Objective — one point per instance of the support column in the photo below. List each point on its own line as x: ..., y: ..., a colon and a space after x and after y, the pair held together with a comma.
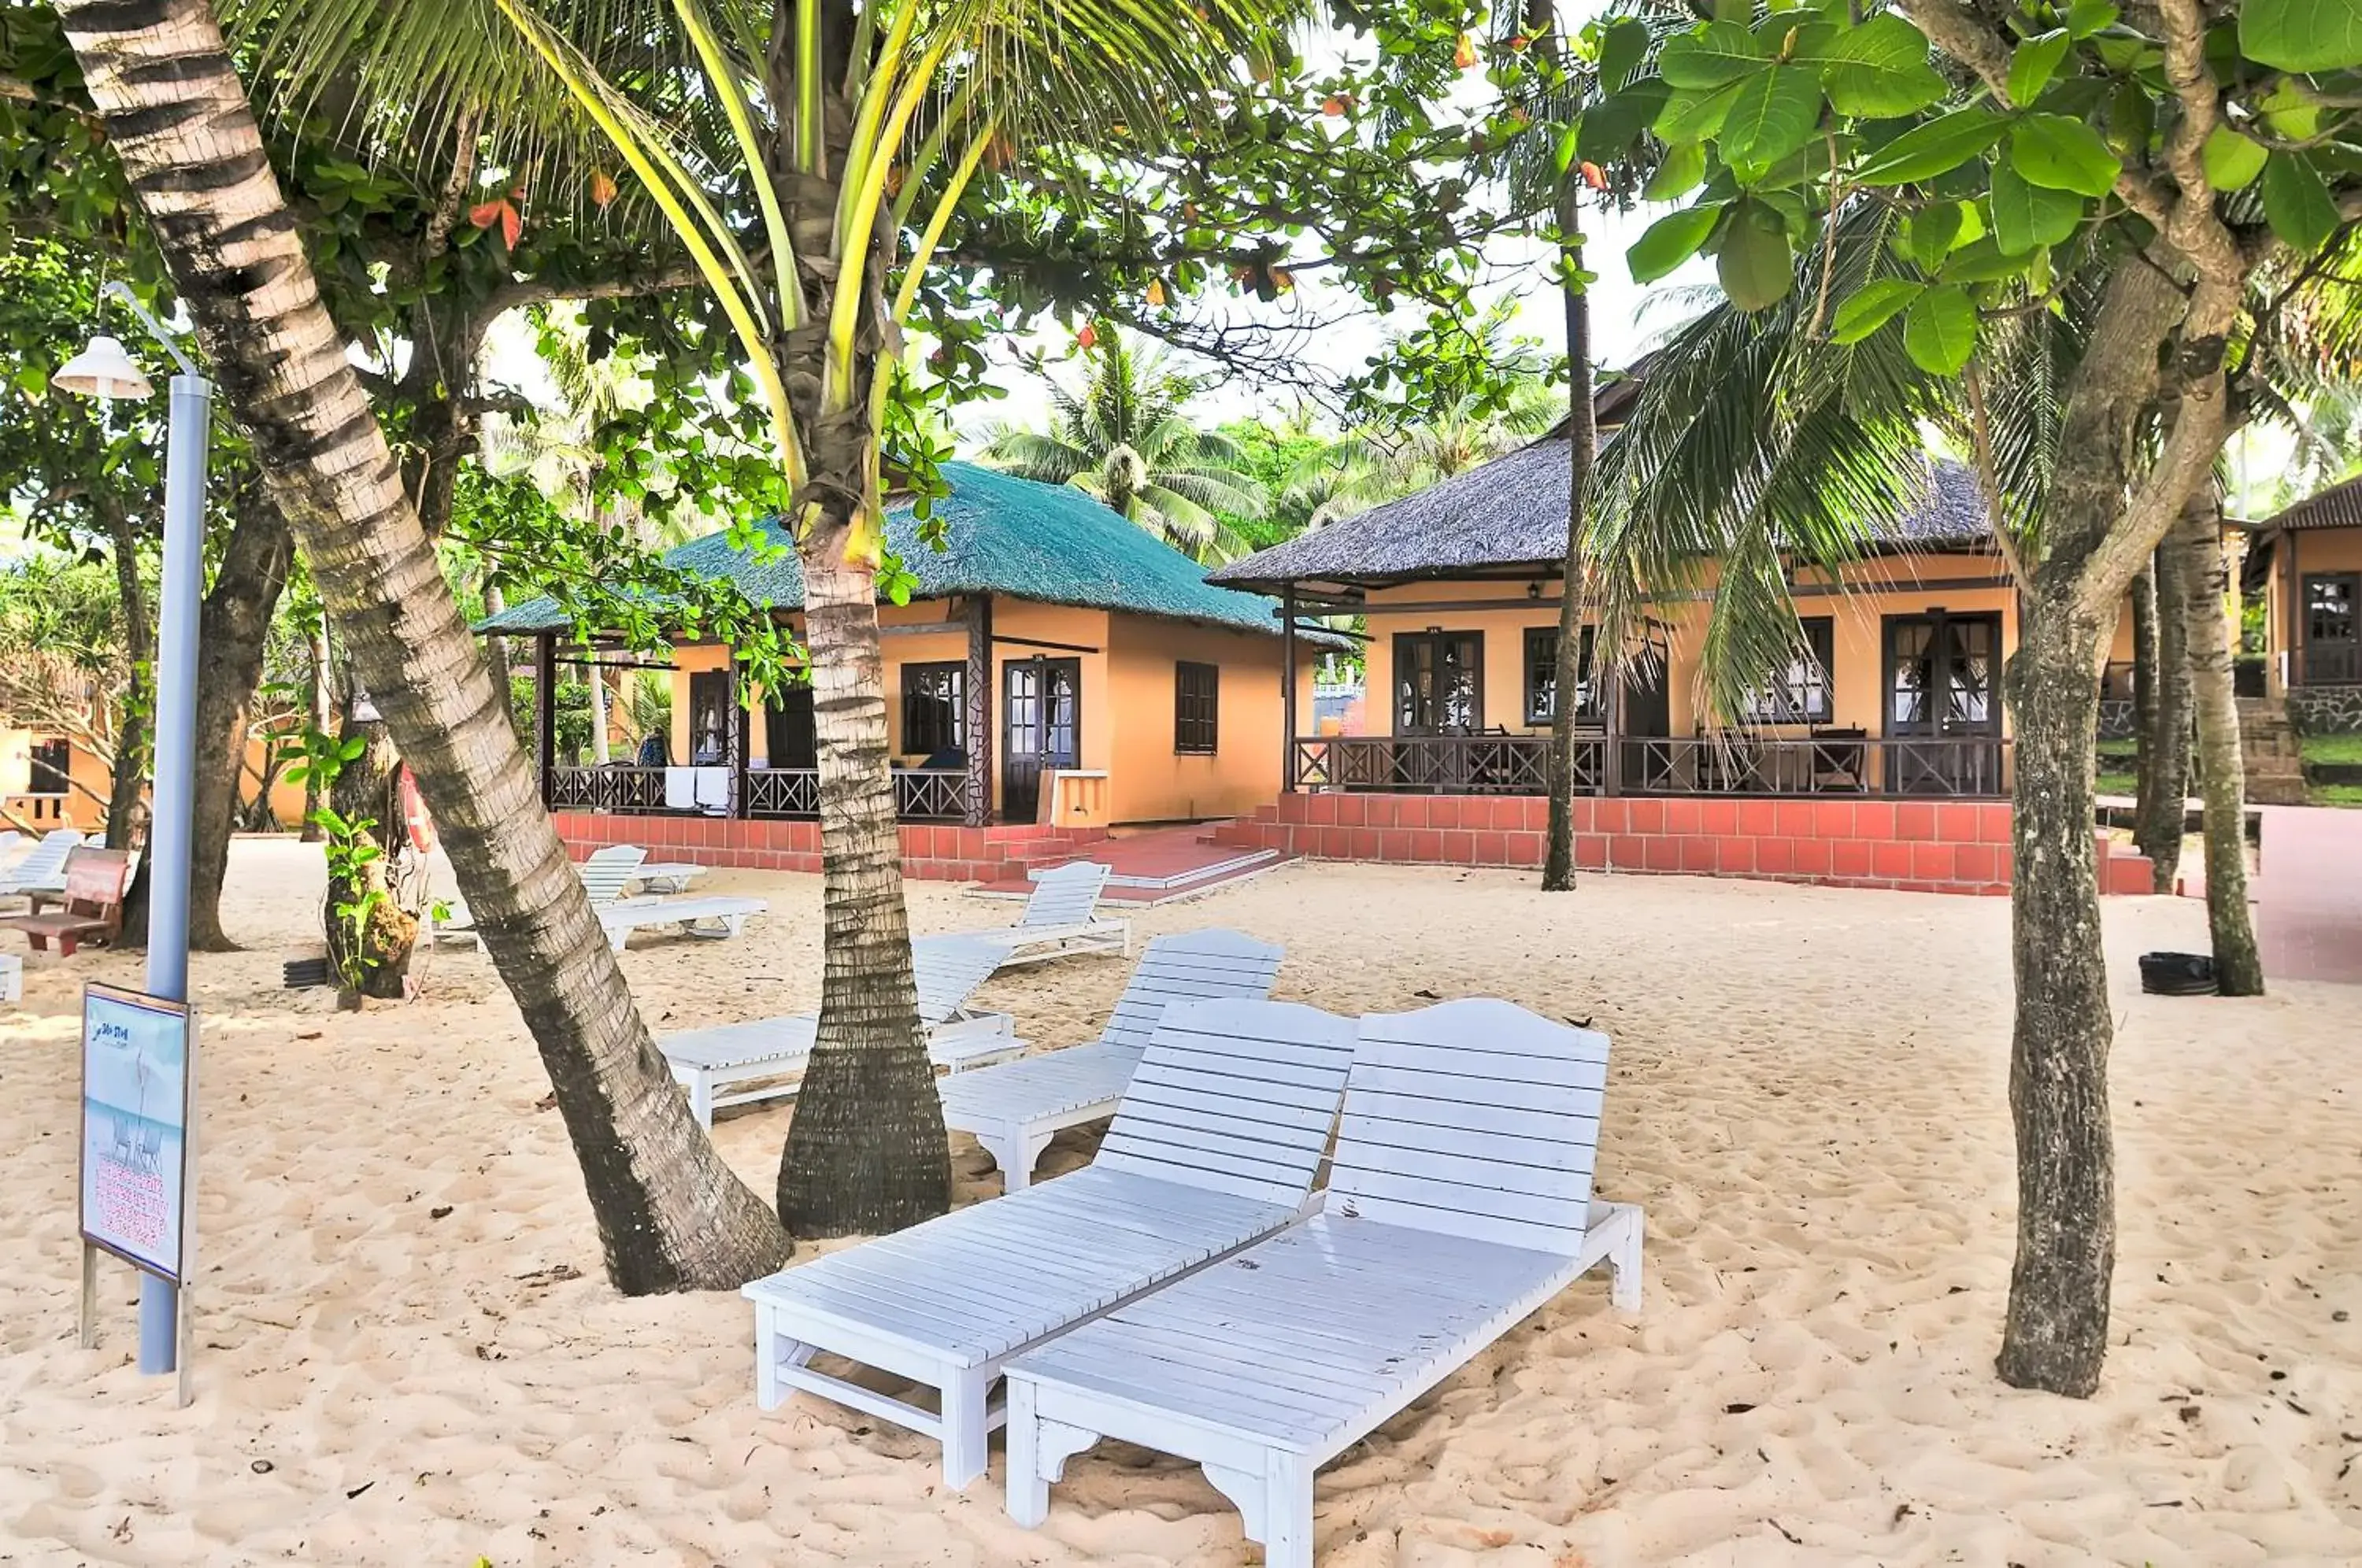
x: 544, y: 711
x: 2294, y: 675
x: 742, y: 740
x: 976, y: 692
x: 1611, y: 712
x: 1287, y: 688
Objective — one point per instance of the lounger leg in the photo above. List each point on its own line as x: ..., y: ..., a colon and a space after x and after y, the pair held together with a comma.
x: 1028, y: 1498
x: 1035, y: 1144
x: 700, y: 1099
x: 964, y: 1429
x: 771, y: 1348
x: 1623, y: 1292
x: 1288, y: 1511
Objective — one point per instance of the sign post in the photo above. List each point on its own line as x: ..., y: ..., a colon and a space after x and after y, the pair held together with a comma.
x: 139, y: 1148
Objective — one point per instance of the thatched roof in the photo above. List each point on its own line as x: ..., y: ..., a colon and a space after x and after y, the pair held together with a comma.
x: 2339, y: 506
x: 1510, y: 513
x: 1051, y: 544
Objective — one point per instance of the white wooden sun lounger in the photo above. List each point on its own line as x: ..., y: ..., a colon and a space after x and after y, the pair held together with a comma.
x: 1459, y: 1202
x: 42, y: 870
x: 716, y: 915
x: 1216, y: 1146
x: 667, y: 876
x: 605, y: 874
x: 1061, y: 919
x: 1015, y: 1110
x: 761, y: 1052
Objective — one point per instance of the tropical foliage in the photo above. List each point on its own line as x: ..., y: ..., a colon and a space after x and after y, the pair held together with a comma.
x: 1126, y: 439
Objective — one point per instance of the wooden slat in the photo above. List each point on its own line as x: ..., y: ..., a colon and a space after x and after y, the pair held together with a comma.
x: 1064, y: 896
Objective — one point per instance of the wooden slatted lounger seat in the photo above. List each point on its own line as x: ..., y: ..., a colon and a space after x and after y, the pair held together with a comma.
x: 667, y: 876
x: 42, y: 869
x: 1459, y: 1202
x: 605, y: 875
x: 1015, y: 1110
x: 1061, y: 918
x: 1216, y: 1146
x: 715, y: 915
x: 763, y: 1050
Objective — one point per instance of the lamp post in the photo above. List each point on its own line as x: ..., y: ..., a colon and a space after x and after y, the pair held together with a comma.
x: 104, y: 370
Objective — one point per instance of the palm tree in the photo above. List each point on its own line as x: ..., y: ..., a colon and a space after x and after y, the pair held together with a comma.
x: 1127, y: 440
x: 1376, y: 462
x: 671, y: 1214
x: 801, y: 153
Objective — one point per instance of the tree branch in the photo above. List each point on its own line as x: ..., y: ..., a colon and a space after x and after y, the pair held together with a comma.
x: 536, y: 290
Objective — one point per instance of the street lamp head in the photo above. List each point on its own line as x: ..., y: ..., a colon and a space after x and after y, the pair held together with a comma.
x: 103, y: 370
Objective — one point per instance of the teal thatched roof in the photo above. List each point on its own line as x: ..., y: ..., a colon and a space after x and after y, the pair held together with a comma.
x: 1051, y: 544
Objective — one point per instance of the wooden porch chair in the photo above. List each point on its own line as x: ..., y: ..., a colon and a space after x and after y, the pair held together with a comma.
x: 93, y: 908
x: 1837, y: 760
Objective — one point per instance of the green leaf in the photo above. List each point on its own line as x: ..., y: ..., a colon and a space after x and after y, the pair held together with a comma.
x: 1569, y: 142
x: 1679, y: 174
x: 1611, y: 127
x: 2027, y: 216
x: 1983, y: 262
x: 1937, y: 147
x: 1774, y: 116
x: 1715, y: 56
x: 2296, y: 204
x: 2232, y: 161
x: 2302, y: 35
x: 1927, y: 235
x: 1671, y: 240
x: 2289, y: 112
x: 2033, y: 64
x: 1871, y: 307
x: 1756, y: 266
x: 1693, y: 117
x: 1875, y: 71
x: 2063, y: 154
x: 1939, y: 332
x: 2085, y: 18
x: 1622, y: 48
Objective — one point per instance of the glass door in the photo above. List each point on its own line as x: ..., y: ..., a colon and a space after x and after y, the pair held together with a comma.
x: 1042, y: 729
x: 1941, y: 690
x: 2332, y: 629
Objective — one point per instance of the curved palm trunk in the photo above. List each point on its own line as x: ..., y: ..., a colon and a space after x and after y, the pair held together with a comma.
x: 323, y: 706
x: 671, y: 1214
x: 2205, y: 580
x: 2164, y: 740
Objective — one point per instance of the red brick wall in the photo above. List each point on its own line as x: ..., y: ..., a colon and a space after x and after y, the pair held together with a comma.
x: 934, y: 854
x: 1945, y: 846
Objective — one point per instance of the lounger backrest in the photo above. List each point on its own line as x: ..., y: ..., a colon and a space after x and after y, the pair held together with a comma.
x: 1190, y: 965
x: 1066, y: 896
x: 606, y: 872
x: 9, y: 839
x: 46, y: 859
x: 948, y: 971
x: 1234, y: 1096
x: 1474, y: 1118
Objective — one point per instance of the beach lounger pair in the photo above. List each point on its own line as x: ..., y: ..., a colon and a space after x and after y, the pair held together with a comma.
x: 605, y: 874
x: 1171, y: 1293
x: 711, y: 1063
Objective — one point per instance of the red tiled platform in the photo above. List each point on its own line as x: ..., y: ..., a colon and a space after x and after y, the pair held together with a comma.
x: 1186, y: 858
x: 1920, y: 846
x: 943, y: 854
x: 2309, y: 894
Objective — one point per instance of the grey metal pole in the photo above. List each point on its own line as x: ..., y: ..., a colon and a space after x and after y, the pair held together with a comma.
x: 170, y: 827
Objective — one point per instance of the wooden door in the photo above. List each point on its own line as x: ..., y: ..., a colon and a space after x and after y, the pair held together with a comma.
x: 787, y: 729
x: 2332, y: 629
x: 1943, y: 688
x: 1042, y: 702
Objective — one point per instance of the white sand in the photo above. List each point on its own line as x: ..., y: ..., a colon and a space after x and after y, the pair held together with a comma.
x: 1808, y: 1098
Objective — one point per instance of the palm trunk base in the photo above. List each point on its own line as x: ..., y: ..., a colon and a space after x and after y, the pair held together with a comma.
x: 868, y: 1154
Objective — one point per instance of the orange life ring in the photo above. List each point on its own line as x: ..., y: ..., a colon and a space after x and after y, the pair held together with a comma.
x: 414, y: 817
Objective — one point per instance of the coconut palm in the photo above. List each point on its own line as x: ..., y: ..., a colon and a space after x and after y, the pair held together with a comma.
x: 1378, y: 462
x: 1127, y: 439
x: 808, y: 157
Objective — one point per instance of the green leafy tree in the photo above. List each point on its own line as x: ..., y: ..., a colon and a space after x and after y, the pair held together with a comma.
x: 1126, y: 439
x: 1946, y: 182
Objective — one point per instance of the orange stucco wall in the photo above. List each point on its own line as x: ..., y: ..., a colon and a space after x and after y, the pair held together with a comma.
x: 2315, y: 550
x: 1871, y: 592
x: 1126, y: 664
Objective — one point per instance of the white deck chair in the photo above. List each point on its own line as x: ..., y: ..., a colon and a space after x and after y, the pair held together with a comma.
x: 948, y: 970
x: 42, y: 869
x: 1061, y: 918
x: 1015, y: 1110
x: 667, y: 876
x: 1459, y: 1202
x: 1216, y: 1146
x: 605, y: 874
x: 11, y: 841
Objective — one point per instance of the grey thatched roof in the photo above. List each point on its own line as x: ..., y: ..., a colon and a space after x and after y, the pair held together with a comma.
x: 1511, y: 512
x: 2339, y: 506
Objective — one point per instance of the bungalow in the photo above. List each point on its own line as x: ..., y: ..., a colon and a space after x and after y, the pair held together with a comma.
x: 2307, y: 561
x: 1879, y: 756
x: 1057, y: 671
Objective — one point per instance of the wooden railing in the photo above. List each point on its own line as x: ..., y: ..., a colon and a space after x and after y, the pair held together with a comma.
x: 1964, y: 767
x: 920, y: 794
x: 2330, y: 666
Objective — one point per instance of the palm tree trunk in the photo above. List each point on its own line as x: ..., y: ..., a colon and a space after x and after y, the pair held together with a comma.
x: 126, y: 797
x: 233, y: 626
x: 323, y: 712
x: 1558, y: 861
x: 866, y: 1152
x: 496, y: 649
x: 2204, y: 579
x: 2165, y: 743
x: 597, y: 681
x: 2144, y: 689
x: 671, y: 1214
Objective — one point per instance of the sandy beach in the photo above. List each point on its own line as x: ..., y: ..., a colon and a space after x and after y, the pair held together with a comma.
x: 406, y: 1353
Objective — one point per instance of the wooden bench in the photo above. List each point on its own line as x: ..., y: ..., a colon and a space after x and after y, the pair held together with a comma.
x: 93, y: 908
